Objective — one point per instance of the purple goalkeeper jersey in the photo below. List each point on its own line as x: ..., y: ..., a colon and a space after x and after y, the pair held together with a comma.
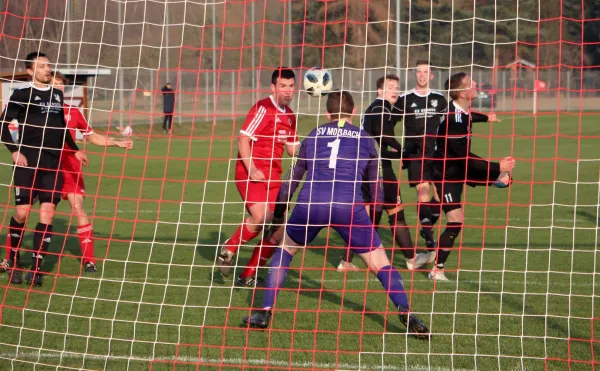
x: 335, y: 156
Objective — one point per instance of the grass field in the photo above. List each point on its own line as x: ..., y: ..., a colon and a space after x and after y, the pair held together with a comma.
x: 526, y: 284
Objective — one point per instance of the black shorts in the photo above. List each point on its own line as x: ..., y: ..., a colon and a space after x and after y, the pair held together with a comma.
x: 391, y: 189
x: 418, y: 171
x: 450, y: 193
x: 43, y: 184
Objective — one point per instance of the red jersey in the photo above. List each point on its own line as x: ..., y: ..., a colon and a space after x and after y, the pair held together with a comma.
x: 270, y: 127
x: 75, y: 121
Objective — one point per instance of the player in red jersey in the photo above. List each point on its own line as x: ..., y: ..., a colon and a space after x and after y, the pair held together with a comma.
x: 73, y: 188
x: 269, y: 129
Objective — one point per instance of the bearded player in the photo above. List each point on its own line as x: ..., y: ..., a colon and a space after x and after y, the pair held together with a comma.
x: 73, y: 188
x: 269, y: 129
x: 42, y: 141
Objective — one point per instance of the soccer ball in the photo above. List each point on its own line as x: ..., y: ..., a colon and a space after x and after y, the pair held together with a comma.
x: 317, y: 82
x: 127, y: 131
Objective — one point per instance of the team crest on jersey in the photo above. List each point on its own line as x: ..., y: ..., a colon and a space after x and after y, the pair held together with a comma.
x: 434, y: 103
x: 57, y: 97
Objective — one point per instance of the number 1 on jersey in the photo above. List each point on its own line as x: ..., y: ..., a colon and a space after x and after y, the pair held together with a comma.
x: 335, y: 148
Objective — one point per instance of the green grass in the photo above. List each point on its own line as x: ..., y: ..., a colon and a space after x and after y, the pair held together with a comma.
x: 526, y: 282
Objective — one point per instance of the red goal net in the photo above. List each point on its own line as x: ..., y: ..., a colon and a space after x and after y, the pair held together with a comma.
x: 522, y: 274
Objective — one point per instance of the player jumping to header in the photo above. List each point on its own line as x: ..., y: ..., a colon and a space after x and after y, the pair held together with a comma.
x: 37, y: 176
x: 454, y: 165
x: 336, y: 158
x: 270, y: 127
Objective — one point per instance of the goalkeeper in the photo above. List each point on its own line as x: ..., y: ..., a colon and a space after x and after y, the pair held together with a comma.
x: 336, y: 158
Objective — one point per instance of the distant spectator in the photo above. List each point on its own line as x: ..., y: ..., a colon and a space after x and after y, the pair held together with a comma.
x: 168, y: 106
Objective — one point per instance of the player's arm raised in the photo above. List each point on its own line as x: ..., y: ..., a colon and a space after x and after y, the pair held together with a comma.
x: 95, y: 138
x: 256, y: 119
x: 104, y: 141
x: 480, y: 117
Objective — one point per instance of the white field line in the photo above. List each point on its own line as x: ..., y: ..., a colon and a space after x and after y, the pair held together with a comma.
x: 225, y: 361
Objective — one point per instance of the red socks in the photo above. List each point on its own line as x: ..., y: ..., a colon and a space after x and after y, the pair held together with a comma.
x: 242, y: 235
x: 260, y: 256
x: 86, y: 240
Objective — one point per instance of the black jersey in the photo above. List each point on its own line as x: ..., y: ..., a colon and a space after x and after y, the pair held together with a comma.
x: 422, y: 116
x: 42, y: 127
x: 453, y: 159
x: 379, y: 121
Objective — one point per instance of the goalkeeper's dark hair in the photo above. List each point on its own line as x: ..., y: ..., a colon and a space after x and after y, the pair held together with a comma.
x: 422, y: 62
x: 31, y: 57
x: 59, y: 76
x: 282, y: 73
x: 340, y: 104
x: 455, y: 84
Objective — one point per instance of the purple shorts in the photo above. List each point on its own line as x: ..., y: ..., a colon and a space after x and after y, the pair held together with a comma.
x: 351, y: 222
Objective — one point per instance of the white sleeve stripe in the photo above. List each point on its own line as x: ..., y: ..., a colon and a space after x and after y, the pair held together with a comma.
x: 458, y: 137
x: 86, y: 133
x: 244, y: 132
x: 256, y: 121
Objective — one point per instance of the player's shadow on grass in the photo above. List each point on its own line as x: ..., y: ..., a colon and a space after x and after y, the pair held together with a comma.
x: 313, y: 289
x: 208, y: 244
x: 64, y: 245
x: 207, y: 247
x: 589, y: 216
x: 514, y: 307
x: 336, y: 251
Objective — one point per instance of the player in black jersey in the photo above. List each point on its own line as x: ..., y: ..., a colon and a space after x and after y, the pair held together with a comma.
x: 423, y: 110
x: 379, y: 120
x: 42, y: 135
x: 454, y: 164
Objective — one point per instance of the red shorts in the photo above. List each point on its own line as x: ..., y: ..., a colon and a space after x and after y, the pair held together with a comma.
x: 72, y: 177
x: 258, y: 192
x: 72, y: 183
